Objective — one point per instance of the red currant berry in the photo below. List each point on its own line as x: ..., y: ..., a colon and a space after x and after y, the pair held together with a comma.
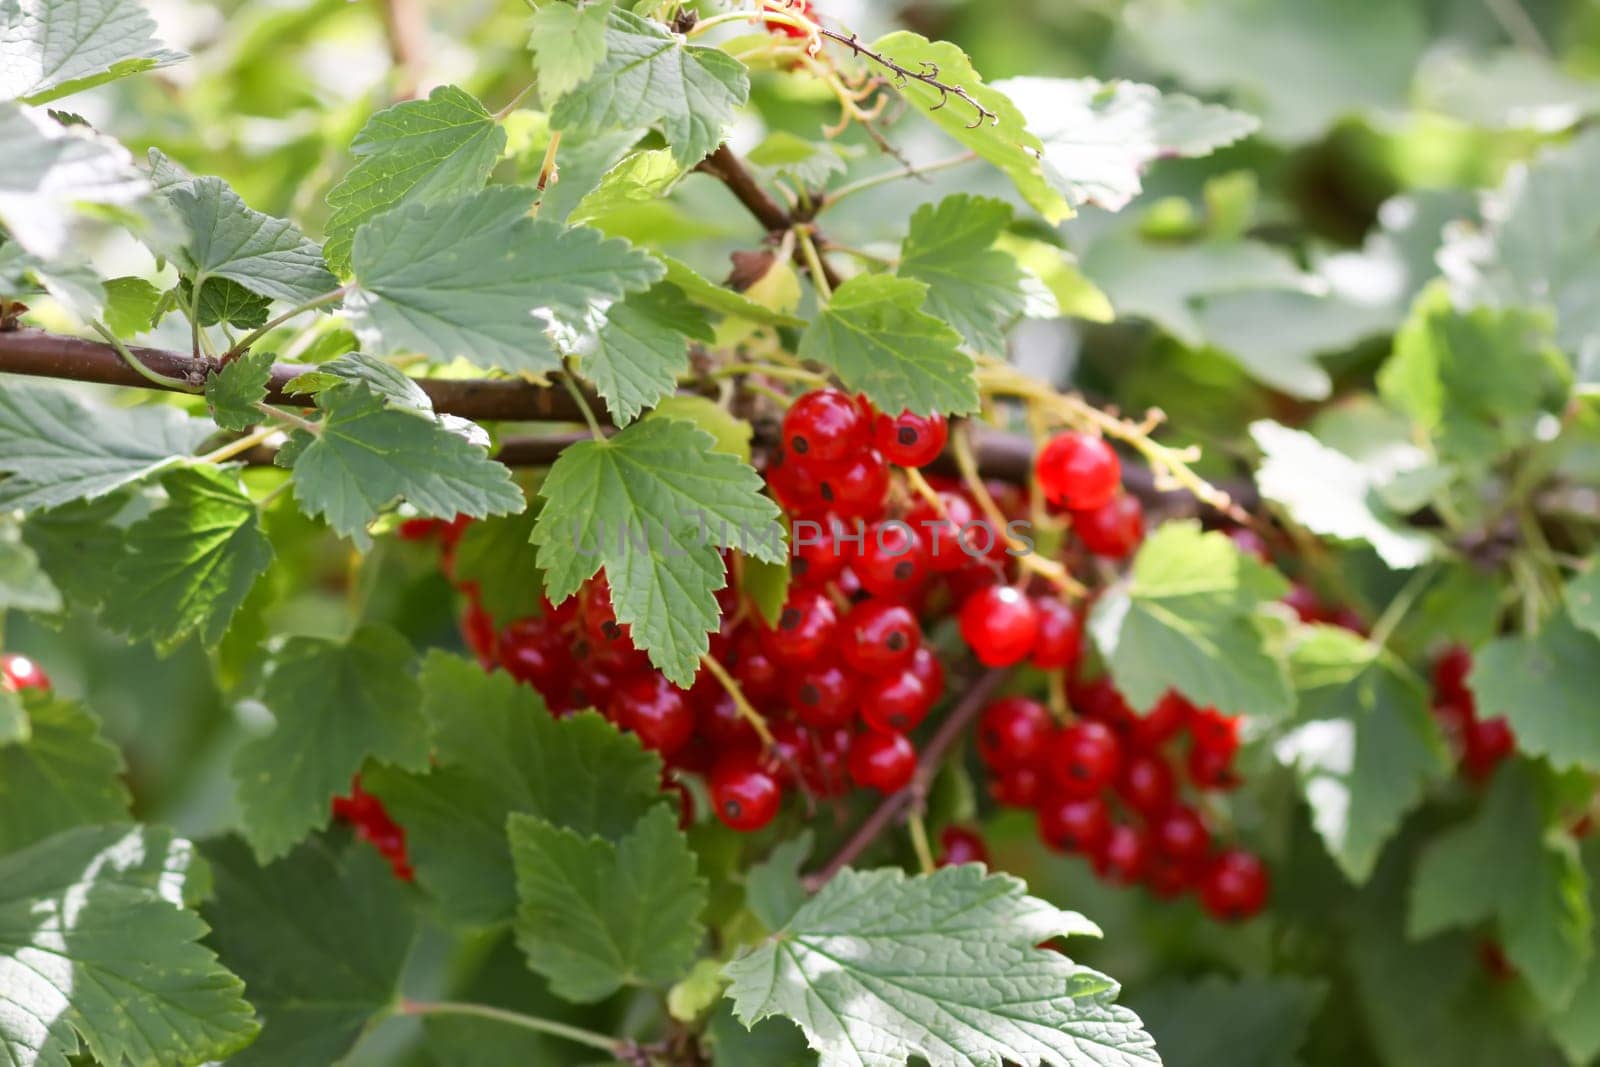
x: 419, y: 529
x: 1112, y: 530
x: 1235, y: 886
x: 807, y: 625
x: 1450, y: 672
x: 824, y: 696
x: 958, y: 845
x: 1059, y: 642
x: 1167, y: 878
x: 1018, y: 787
x: 1077, y: 471
x: 535, y: 653
x: 1487, y: 743
x: 891, y: 562
x: 1099, y: 700
x: 756, y: 671
x: 1161, y: 723
x: 926, y: 666
x: 1146, y: 784
x: 824, y: 426
x: 909, y: 440
x: 949, y: 532
x: 1000, y: 624
x: 880, y: 637
x: 477, y: 630
x: 744, y: 796
x: 1014, y: 732
x: 1084, y: 758
x: 655, y: 709
x: 1124, y: 855
x: 791, y: 485
x: 1181, y: 835
x: 816, y: 550
x: 722, y: 725
x: 1304, y: 602
x: 884, y: 762
x: 19, y: 672
x: 1074, y: 824
x: 896, y: 703
x: 854, y: 487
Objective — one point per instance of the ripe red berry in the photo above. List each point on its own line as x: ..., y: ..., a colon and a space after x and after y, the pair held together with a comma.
x: 816, y: 553
x: 1487, y: 742
x: 1114, y: 529
x: 1084, y: 758
x: 824, y: 426
x: 884, y: 762
x: 1000, y: 624
x: 823, y: 696
x: 1098, y: 699
x: 807, y: 625
x: 1074, y: 824
x: 1059, y: 641
x: 926, y: 665
x: 19, y: 672
x: 1077, y: 471
x: 1014, y: 732
x: 744, y: 796
x: 880, y: 637
x: 1181, y: 835
x: 535, y: 653
x: 950, y: 532
x: 655, y: 709
x: 855, y: 486
x: 1450, y: 672
x: 958, y: 845
x: 1018, y: 787
x: 722, y: 726
x: 420, y: 529
x: 1161, y: 723
x: 909, y: 440
x: 1146, y: 784
x: 754, y: 668
x: 895, y: 703
x: 891, y: 562
x: 1235, y: 886
x: 1304, y: 602
x: 1123, y: 856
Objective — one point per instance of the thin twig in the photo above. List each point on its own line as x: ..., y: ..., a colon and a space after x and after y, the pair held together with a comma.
x: 243, y: 344
x: 562, y: 1030
x: 725, y: 166
x: 927, y: 74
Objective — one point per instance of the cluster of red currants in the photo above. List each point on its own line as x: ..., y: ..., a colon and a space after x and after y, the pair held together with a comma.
x: 1081, y: 476
x: 18, y: 672
x: 801, y: 8
x: 1480, y: 744
x: 366, y: 815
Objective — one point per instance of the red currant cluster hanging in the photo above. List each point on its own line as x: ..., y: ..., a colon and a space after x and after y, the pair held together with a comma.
x: 367, y: 816
x: 1479, y: 744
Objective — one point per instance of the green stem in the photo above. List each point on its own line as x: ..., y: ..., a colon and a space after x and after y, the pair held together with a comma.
x: 154, y: 377
x: 1392, y: 615
x: 575, y: 1034
x: 819, y: 277
x: 242, y: 444
x: 872, y: 182
x: 289, y: 417
x: 919, y: 841
x: 583, y: 405
x: 255, y: 335
x: 771, y: 370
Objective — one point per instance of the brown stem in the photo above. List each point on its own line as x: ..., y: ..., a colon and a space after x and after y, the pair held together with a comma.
x: 725, y: 166
x: 928, y: 74
x: 954, y: 725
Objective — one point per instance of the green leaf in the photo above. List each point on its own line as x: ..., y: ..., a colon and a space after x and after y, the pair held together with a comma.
x: 336, y: 705
x: 24, y: 585
x: 495, y: 555
x: 729, y: 433
x: 642, y: 177
x: 53, y: 48
x: 595, y: 915
x: 649, y: 75
x: 233, y: 392
x: 14, y: 724
x: 464, y: 277
x: 875, y: 336
x: 131, y: 305
x: 643, y: 348
x: 568, y: 42
x: 807, y: 163
x: 1099, y: 137
x: 1545, y: 686
x: 79, y: 546
x: 1576, y: 1028
x: 1583, y: 597
x: 366, y: 454
x: 709, y: 294
x: 52, y: 172
x: 1508, y: 865
x: 62, y: 774
x: 1509, y: 89
x: 1365, y: 746
x: 1252, y: 1022
x: 1333, y: 495
x: 878, y: 968
x: 188, y: 566
x: 319, y: 937
x: 971, y: 285
x: 229, y: 239
x: 1005, y: 141
x: 99, y: 956
x: 56, y: 448
x: 652, y: 506
x: 1475, y: 381
x: 416, y: 152
x: 497, y: 750
x: 772, y: 888
x: 223, y: 301
x: 1184, y: 619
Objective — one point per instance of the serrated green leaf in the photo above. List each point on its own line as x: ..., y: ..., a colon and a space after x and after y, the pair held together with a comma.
x: 336, y: 705
x: 98, y: 955
x: 319, y: 937
x: 464, y: 277
x: 971, y: 285
x: 224, y: 301
x: 51, y: 172
x: 234, y: 391
x: 63, y: 774
x: 568, y: 41
x: 1507, y: 864
x: 188, y: 566
x: 57, y: 448
x: 1365, y: 746
x: 808, y: 163
x: 642, y: 349
x: 497, y: 750
x: 652, y: 506
x: 1331, y: 494
x: 366, y: 454
x: 1583, y: 597
x: 649, y: 75
x: 53, y: 48
x: 772, y: 888
x: 641, y: 177
x: 595, y: 915
x: 131, y: 305
x: 709, y: 294
x: 1004, y: 141
x: 1184, y: 620
x: 878, y: 968
x: 229, y: 239
x: 1545, y: 686
x: 79, y: 546
x: 1100, y: 136
x: 729, y: 433
x: 416, y: 152
x: 875, y: 336
x: 494, y: 555
x: 1252, y: 1022
x: 24, y: 585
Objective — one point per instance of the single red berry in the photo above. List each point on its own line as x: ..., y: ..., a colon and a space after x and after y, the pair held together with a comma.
x: 958, y: 845
x: 1074, y: 824
x: 824, y: 426
x: 1018, y: 787
x: 808, y: 624
x: 951, y: 532
x: 744, y: 796
x: 891, y: 563
x: 1304, y: 602
x: 1098, y: 699
x: 1084, y: 758
x: 854, y: 487
x: 880, y: 637
x: 1124, y: 856
x: 754, y: 668
x: 926, y: 665
x: 817, y: 550
x: 1181, y: 835
x: 1146, y: 784
x: 1168, y: 878
x: 884, y: 762
x: 1112, y: 530
x: 1077, y: 471
x: 895, y: 703
x: 1450, y: 672
x: 535, y: 653
x: 1235, y: 886
x: 1000, y: 624
x: 19, y: 672
x: 420, y: 529
x: 655, y: 709
x: 1487, y: 743
x: 823, y: 696
x: 1014, y: 732
x: 1059, y: 641
x: 1161, y: 723
x: 909, y: 440
x: 722, y: 725
x: 1216, y: 742
x: 792, y: 485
